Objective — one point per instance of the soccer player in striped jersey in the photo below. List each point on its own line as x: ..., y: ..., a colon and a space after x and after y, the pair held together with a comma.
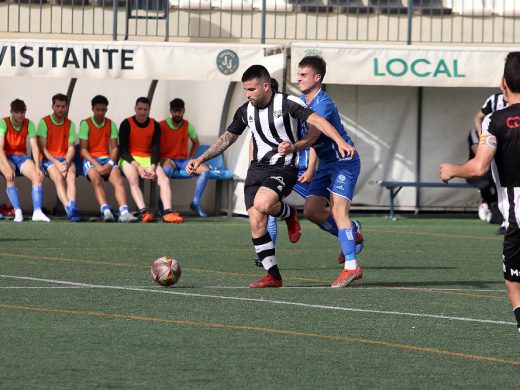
x: 272, y: 119
x: 500, y: 148
x: 14, y: 131
x: 336, y: 177
x: 139, y: 144
x: 495, y: 102
x: 98, y: 147
x: 56, y: 139
x: 307, y: 163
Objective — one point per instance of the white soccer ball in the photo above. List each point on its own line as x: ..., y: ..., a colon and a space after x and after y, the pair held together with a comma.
x: 166, y: 271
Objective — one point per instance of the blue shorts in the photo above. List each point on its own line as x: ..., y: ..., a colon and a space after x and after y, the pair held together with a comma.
x: 86, y: 165
x: 17, y: 160
x: 46, y: 164
x: 338, y: 177
x: 179, y: 163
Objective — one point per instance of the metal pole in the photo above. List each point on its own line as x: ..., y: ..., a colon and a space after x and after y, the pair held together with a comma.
x: 264, y: 14
x: 418, y: 149
x: 114, y: 19
x: 410, y: 14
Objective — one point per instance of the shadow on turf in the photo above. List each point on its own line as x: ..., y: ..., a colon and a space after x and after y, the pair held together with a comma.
x: 368, y: 267
x: 20, y: 239
x: 425, y: 284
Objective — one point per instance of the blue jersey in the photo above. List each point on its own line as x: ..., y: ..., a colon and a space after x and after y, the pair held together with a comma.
x: 326, y: 149
x: 303, y: 159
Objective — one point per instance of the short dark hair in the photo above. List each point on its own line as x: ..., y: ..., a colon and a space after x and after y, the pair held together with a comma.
x: 257, y: 72
x: 99, y: 99
x: 177, y: 104
x: 317, y: 63
x: 274, y: 84
x: 18, y: 105
x: 143, y: 100
x: 512, y: 71
x: 61, y: 97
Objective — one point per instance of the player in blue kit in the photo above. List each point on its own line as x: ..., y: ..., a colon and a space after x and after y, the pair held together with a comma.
x: 335, y: 179
x: 307, y: 164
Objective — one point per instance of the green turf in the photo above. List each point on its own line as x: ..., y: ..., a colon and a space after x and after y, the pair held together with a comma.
x: 84, y: 312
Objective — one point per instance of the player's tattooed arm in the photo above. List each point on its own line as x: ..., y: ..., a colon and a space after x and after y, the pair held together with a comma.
x: 222, y: 143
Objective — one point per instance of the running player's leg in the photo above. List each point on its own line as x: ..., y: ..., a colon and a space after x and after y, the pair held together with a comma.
x: 343, y: 182
x: 258, y: 201
x: 511, y: 260
x: 264, y: 246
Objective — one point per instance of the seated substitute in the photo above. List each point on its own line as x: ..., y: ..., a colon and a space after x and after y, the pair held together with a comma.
x: 176, y: 132
x: 98, y: 145
x: 139, y: 144
x: 14, y: 131
x: 56, y: 139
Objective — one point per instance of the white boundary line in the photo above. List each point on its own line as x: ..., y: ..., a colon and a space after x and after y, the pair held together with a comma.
x: 260, y: 300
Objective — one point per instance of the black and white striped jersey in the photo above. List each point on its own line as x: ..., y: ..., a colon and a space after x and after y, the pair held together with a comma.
x: 279, y: 121
x: 494, y: 103
x: 505, y: 126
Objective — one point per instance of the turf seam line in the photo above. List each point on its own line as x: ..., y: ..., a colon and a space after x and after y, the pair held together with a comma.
x: 276, y: 302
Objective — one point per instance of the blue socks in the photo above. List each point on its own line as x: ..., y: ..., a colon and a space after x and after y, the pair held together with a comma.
x: 202, y: 180
x: 272, y: 228
x: 12, y: 193
x: 348, y: 245
x: 330, y: 226
x: 37, y: 196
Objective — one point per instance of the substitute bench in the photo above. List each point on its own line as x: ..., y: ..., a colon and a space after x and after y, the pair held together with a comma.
x: 395, y: 186
x: 220, y: 173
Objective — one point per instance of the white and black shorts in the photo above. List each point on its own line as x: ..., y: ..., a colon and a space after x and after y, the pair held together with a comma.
x: 511, y: 256
x: 279, y: 179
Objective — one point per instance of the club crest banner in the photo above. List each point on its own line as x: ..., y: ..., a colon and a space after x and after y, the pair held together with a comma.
x: 129, y: 60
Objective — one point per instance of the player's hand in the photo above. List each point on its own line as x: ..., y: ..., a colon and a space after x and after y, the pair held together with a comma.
x: 306, y: 177
x: 100, y: 169
x: 150, y: 173
x: 285, y: 148
x: 445, y: 172
x: 39, y: 174
x: 9, y: 173
x: 346, y: 150
x: 142, y: 172
x: 107, y: 169
x: 192, y: 166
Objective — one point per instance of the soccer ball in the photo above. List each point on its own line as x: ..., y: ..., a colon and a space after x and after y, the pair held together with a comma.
x: 166, y: 271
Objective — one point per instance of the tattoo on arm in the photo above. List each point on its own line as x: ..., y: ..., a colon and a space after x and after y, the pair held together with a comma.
x: 222, y: 143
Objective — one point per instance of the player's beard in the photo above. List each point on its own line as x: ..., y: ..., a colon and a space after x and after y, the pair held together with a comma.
x: 177, y: 120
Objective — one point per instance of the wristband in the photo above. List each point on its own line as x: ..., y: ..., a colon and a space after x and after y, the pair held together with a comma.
x: 111, y: 162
